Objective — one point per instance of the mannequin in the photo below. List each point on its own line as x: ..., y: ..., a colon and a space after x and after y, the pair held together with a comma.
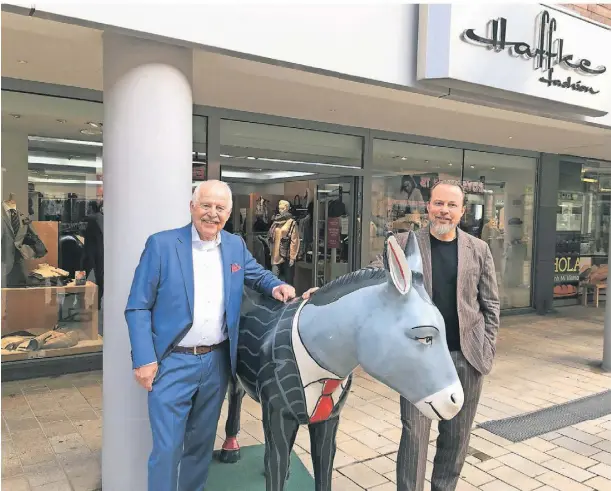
x: 284, y: 241
x: 19, y: 242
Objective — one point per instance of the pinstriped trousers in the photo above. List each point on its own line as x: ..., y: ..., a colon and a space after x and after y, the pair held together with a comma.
x: 452, y: 442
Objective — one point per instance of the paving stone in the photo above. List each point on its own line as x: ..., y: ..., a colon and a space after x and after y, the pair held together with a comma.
x: 54, y: 486
x: 599, y: 483
x: 601, y: 470
x: 572, y: 457
x: 45, y: 473
x: 568, y: 470
x: 363, y: 475
x: 575, y: 446
x: 562, y: 483
x: 19, y: 483
x: 580, y: 436
x: 519, y: 463
x: 515, y: 478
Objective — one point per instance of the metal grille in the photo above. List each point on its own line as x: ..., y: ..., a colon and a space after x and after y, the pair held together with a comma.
x: 525, y: 426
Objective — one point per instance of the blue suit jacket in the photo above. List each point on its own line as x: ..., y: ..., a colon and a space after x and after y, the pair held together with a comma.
x: 159, y: 310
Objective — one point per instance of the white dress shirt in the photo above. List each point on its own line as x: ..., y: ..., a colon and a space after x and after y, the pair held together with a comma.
x: 208, y: 295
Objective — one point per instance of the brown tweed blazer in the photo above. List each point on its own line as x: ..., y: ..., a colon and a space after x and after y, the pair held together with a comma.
x: 477, y: 295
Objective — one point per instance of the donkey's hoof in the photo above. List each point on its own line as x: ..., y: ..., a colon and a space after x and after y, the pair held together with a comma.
x: 227, y: 456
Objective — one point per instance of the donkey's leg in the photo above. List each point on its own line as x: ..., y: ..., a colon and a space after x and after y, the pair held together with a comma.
x: 280, y: 431
x: 322, y: 446
x: 230, y: 453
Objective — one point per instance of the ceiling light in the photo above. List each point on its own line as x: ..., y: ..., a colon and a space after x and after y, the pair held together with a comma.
x: 94, y: 125
x: 426, y: 161
x: 16, y: 116
x: 65, y: 181
x: 511, y: 137
x: 44, y: 139
x: 22, y: 62
x: 91, y: 132
x: 472, y: 166
x: 493, y: 168
x: 450, y: 164
x: 62, y: 121
x: 403, y: 158
x: 70, y: 162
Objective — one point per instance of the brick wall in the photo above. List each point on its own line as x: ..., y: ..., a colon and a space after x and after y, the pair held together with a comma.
x: 600, y: 12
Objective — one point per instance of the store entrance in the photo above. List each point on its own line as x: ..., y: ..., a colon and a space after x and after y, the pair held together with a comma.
x: 300, y: 225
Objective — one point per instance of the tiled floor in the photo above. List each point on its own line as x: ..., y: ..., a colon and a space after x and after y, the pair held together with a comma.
x: 51, y: 428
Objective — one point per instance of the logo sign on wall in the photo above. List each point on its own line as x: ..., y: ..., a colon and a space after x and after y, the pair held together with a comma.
x: 548, y: 52
x: 516, y: 52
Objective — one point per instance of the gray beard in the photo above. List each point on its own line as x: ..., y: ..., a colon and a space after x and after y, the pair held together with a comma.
x: 442, y: 228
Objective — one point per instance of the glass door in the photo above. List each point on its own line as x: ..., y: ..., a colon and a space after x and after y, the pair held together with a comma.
x: 336, y: 238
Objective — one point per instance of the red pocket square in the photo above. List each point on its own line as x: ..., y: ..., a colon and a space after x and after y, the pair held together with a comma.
x: 235, y: 268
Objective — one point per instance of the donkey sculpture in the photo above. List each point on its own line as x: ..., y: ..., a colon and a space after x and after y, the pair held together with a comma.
x: 297, y: 359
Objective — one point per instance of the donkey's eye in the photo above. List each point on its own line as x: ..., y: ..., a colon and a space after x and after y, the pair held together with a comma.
x: 427, y: 340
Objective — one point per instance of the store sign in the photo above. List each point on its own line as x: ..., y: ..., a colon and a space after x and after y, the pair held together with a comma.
x: 334, y: 239
x: 524, y: 53
x: 544, y: 54
x: 566, y: 269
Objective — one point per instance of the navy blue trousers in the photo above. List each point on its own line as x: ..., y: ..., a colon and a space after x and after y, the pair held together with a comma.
x: 184, y: 409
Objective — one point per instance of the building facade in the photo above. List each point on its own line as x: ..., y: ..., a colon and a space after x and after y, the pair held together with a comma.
x: 351, y: 114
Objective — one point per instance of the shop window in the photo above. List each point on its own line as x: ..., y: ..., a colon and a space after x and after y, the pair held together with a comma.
x: 200, y: 150
x: 500, y: 211
x: 582, y: 230
x: 499, y: 192
x: 403, y: 174
x: 52, y: 227
x: 284, y: 182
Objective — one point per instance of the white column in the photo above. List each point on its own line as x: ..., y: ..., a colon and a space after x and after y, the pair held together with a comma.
x: 15, y: 168
x: 148, y: 111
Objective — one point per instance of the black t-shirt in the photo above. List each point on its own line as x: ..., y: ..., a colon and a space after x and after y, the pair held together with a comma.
x: 444, y: 263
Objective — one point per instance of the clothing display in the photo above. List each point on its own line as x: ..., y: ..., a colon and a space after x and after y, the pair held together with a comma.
x: 284, y: 238
x: 71, y: 253
x: 25, y: 341
x: 261, y: 211
x: 93, y: 257
x: 261, y: 251
x: 19, y: 242
x: 284, y: 271
x: 65, y: 210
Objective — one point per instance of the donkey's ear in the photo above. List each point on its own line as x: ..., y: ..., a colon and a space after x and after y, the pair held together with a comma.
x: 397, y: 266
x: 412, y: 254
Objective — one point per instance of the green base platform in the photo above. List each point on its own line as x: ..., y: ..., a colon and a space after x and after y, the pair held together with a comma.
x: 247, y: 474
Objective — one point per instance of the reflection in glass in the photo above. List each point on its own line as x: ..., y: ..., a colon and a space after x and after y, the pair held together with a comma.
x: 404, y: 174
x: 499, y: 210
x: 582, y: 231
x: 499, y: 193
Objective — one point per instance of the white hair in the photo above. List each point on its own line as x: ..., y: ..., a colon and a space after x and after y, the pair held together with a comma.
x: 211, y: 183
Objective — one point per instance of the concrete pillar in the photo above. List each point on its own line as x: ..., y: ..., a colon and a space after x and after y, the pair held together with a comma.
x: 15, y: 168
x: 148, y: 111
x: 606, y: 365
x: 545, y: 232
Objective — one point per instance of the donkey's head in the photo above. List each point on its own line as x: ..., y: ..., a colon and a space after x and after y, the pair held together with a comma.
x: 405, y: 347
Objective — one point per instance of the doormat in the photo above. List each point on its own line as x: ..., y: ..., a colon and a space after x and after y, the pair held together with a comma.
x: 247, y: 473
x: 530, y: 425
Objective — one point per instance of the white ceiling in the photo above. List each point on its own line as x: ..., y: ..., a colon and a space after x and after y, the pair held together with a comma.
x: 71, y: 55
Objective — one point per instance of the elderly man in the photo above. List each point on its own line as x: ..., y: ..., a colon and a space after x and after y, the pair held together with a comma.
x: 183, y: 313
x: 459, y: 276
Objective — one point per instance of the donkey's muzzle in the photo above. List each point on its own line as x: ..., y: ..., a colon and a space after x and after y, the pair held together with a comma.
x: 444, y: 404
